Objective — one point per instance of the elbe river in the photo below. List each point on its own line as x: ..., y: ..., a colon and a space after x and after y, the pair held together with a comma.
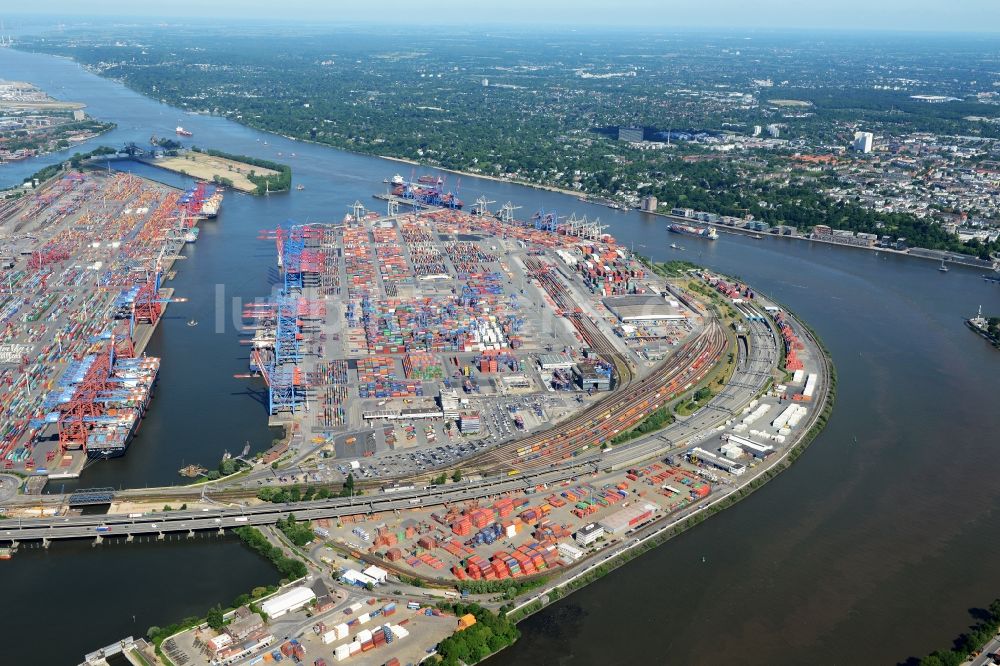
x: 872, y: 548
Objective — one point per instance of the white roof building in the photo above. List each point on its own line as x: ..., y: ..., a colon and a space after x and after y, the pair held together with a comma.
x: 378, y: 574
x: 293, y: 599
x: 354, y: 577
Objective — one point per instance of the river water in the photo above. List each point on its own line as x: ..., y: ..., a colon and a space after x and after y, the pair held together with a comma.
x: 872, y: 548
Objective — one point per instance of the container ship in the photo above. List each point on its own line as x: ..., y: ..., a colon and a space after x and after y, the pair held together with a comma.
x: 210, y: 207
x: 202, y: 201
x: 109, y: 432
x: 687, y: 229
x: 427, y: 190
x: 111, y: 437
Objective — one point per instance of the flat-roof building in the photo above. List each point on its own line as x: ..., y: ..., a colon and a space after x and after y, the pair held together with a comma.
x: 588, y: 534
x: 555, y: 361
x: 630, y: 134
x: 627, y: 518
x: 644, y: 307
x: 355, y: 577
x: 587, y: 377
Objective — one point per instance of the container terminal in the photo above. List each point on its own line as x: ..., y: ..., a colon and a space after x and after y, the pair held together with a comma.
x: 440, y: 339
x: 84, y: 260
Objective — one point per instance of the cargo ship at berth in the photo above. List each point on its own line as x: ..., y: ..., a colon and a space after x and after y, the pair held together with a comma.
x: 202, y: 201
x: 688, y: 230
x: 111, y: 437
x: 428, y: 190
x: 210, y: 207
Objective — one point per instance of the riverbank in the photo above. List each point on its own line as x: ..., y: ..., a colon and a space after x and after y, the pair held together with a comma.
x: 496, y: 179
x: 984, y: 334
x: 933, y: 255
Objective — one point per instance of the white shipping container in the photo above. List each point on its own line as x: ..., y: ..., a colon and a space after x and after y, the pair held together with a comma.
x: 798, y: 376
x: 330, y: 637
x: 342, y: 652
x: 342, y: 630
x: 785, y: 415
x: 756, y: 414
x: 364, y: 619
x: 399, y: 632
x: 363, y: 636
x: 797, y: 416
x: 356, y: 607
x: 354, y: 647
x: 810, y: 386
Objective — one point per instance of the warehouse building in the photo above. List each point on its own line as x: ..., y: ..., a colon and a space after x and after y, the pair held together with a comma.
x: 379, y: 575
x: 356, y: 578
x: 625, y: 519
x: 750, y: 446
x: 555, y: 361
x: 292, y: 600
x: 724, y: 464
x: 644, y: 307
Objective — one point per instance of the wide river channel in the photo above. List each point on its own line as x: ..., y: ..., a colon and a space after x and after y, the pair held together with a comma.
x: 872, y: 548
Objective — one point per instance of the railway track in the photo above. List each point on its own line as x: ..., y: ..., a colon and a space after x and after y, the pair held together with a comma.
x: 596, y: 424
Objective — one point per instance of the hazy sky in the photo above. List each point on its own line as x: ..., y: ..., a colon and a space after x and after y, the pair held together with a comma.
x: 934, y: 15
